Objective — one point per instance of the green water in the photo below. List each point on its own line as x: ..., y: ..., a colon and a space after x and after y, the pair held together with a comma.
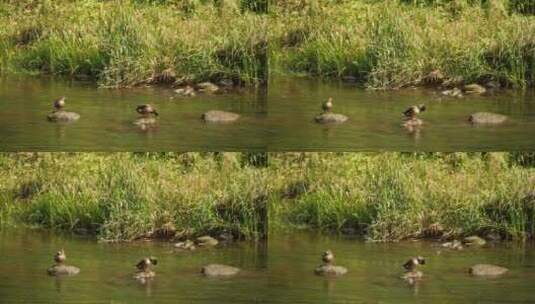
x: 375, y: 119
x: 279, y: 120
x: 107, y: 115
x: 281, y: 272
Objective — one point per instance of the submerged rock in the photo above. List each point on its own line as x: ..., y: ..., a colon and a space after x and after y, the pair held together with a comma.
x: 474, y: 88
x: 206, y: 241
x: 146, y: 123
x: 332, y: 270
x: 455, y: 244
x: 412, y: 275
x: 474, y: 241
x: 487, y: 270
x: 63, y: 116
x: 411, y: 123
x: 58, y: 270
x: 207, y: 87
x: 186, y: 245
x: 186, y: 91
x: 326, y: 118
x: 143, y: 275
x: 219, y: 270
x: 455, y: 92
x: 487, y: 118
x: 219, y: 116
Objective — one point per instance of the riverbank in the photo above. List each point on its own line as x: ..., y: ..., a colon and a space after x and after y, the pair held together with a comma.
x: 393, y: 44
x: 381, y: 196
x: 128, y: 43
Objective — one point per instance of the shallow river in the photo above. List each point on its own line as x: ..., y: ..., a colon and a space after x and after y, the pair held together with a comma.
x: 280, y: 120
x: 279, y: 272
x: 375, y: 119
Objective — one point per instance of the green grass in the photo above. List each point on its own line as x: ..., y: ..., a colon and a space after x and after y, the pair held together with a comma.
x: 390, y: 44
x: 383, y: 196
x: 392, y: 196
x: 123, y: 196
x: 126, y: 43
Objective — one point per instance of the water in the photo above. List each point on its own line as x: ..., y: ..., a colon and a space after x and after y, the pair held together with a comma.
x: 282, y: 120
x: 107, y: 116
x: 375, y: 119
x: 280, y: 273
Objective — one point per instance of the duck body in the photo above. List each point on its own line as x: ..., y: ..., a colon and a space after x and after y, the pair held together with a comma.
x: 146, y: 263
x: 328, y: 105
x: 411, y: 264
x: 60, y: 257
x: 327, y: 257
x: 146, y: 109
x: 59, y: 103
x: 413, y: 111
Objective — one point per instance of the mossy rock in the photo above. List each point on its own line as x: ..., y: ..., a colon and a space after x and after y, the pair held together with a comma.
x: 218, y: 270
x: 474, y: 241
x: 63, y: 116
x: 145, y: 121
x: 142, y: 275
x: 327, y: 118
x: 487, y: 270
x: 487, y: 118
x: 58, y: 270
x: 219, y: 116
x: 206, y: 241
x: 330, y: 270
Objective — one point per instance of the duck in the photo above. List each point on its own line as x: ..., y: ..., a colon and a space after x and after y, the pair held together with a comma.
x: 59, y: 103
x: 146, y: 109
x: 411, y: 264
x: 327, y: 257
x: 328, y: 105
x: 60, y: 257
x: 413, y: 111
x: 145, y: 264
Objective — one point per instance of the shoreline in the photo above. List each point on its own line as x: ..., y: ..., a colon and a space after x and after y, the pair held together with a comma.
x: 384, y: 196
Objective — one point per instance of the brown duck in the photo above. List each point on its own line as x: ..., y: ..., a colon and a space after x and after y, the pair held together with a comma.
x: 146, y: 263
x: 328, y: 105
x: 413, y: 111
x: 59, y: 103
x: 411, y: 264
x: 146, y: 109
x: 60, y: 257
x: 327, y: 257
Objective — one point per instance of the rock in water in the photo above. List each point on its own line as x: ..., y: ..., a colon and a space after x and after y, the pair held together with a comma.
x: 145, y: 121
x: 218, y: 270
x: 63, y: 116
x: 207, y: 87
x: 487, y: 118
x: 219, y: 116
x: 412, y: 275
x: 187, y: 245
x: 474, y: 241
x: 474, y: 88
x: 326, y: 118
x: 487, y: 270
x: 58, y: 270
x: 327, y: 269
x: 206, y: 241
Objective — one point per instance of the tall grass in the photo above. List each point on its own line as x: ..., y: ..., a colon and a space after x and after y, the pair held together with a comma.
x: 392, y: 196
x: 383, y: 196
x: 122, y: 43
x: 387, y: 44
x: 124, y: 196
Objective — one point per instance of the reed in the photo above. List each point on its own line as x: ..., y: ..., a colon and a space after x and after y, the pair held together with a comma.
x: 123, y: 43
x: 390, y: 44
x: 382, y: 196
